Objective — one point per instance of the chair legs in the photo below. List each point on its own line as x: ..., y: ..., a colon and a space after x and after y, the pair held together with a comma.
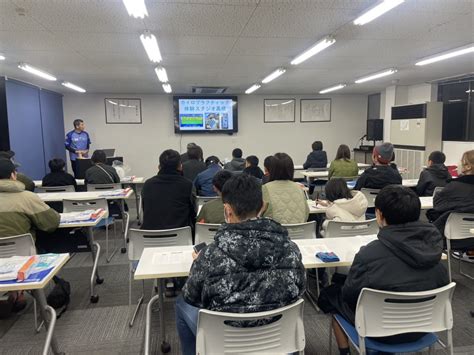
x: 107, y: 256
x: 330, y: 336
x: 140, y: 300
x: 463, y: 273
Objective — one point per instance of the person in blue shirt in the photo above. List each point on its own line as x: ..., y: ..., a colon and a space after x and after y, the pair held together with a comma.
x: 77, y: 143
x: 203, y: 181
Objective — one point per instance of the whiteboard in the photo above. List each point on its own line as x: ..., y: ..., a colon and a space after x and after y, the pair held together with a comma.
x: 120, y: 110
x: 281, y: 110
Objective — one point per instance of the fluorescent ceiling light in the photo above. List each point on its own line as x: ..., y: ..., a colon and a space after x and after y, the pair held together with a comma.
x: 167, y: 88
x: 2, y: 57
x: 151, y: 46
x: 253, y: 88
x: 274, y: 75
x: 377, y: 11
x: 376, y: 76
x: 73, y: 87
x: 333, y: 88
x: 161, y: 73
x: 447, y: 55
x: 318, y: 47
x: 136, y: 8
x: 36, y: 71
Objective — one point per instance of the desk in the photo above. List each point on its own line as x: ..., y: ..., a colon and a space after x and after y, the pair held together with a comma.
x: 87, y: 195
x: 37, y: 291
x: 471, y: 230
x: 322, y: 175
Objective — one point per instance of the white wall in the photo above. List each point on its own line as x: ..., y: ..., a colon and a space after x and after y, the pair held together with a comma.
x: 455, y: 150
x: 141, y: 144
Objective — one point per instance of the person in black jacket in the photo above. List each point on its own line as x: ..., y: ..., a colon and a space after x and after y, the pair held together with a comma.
x: 318, y: 158
x: 435, y: 175
x: 251, y: 167
x: 168, y: 198
x: 252, y: 265
x: 194, y: 165
x: 57, y: 176
x: 457, y: 196
x: 381, y: 173
x: 100, y: 172
x: 405, y: 257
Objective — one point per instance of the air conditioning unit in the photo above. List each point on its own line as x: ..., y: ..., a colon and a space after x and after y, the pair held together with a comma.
x: 208, y: 90
x: 416, y: 131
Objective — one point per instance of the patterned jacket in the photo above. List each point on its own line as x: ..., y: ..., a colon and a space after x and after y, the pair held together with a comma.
x: 250, y: 267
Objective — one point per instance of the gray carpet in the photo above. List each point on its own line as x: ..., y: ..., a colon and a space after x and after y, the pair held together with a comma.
x: 102, y: 328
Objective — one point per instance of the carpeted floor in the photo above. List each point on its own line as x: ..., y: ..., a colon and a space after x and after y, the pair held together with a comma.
x: 102, y: 328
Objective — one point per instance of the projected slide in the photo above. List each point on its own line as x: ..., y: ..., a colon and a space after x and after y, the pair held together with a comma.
x: 205, y: 115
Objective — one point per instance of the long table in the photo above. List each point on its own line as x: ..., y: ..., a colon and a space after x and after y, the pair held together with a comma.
x: 86, y: 195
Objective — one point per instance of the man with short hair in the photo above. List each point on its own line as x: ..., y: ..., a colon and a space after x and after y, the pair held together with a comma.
x: 29, y: 184
x: 77, y: 143
x: 237, y: 163
x: 194, y: 165
x: 252, y: 265
x: 435, y: 175
x: 100, y: 172
x: 213, y: 211
x: 185, y: 156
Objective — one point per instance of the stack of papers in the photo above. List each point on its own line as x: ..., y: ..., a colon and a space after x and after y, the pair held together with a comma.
x: 128, y: 178
x: 9, y: 267
x: 87, y: 215
x: 118, y: 192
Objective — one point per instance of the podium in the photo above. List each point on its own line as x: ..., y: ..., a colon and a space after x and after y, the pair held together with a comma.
x: 84, y: 164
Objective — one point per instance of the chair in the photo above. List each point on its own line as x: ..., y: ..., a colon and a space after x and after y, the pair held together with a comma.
x: 141, y: 239
x: 370, y: 195
x: 335, y: 229
x: 205, y: 232
x: 216, y: 333
x: 458, y: 227
x: 45, y: 189
x: 201, y: 200
x: 384, y: 313
x: 93, y: 204
x: 305, y: 230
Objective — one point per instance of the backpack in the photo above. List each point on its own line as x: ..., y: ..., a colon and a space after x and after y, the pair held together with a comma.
x: 60, y: 295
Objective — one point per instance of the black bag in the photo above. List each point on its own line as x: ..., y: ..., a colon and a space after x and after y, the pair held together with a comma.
x: 60, y: 295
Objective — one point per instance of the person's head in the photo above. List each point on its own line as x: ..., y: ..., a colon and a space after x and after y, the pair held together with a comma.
x: 242, y: 198
x: 99, y: 157
x: 220, y: 179
x: 383, y: 154
x: 194, y: 153
x: 9, y: 154
x: 282, y: 167
x: 237, y: 153
x: 436, y: 157
x: 7, y: 169
x: 251, y: 161
x: 343, y: 152
x: 267, y: 164
x: 212, y: 160
x: 317, y: 145
x: 56, y: 165
x: 396, y: 204
x: 79, y: 125
x: 170, y: 160
x: 336, y: 189
x: 467, y: 163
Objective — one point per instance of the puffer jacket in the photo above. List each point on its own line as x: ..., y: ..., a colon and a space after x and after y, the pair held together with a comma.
x: 348, y: 210
x: 377, y: 177
x: 316, y: 159
x: 251, y: 266
x: 286, y: 200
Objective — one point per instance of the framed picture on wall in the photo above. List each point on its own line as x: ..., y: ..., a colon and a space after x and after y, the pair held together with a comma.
x: 315, y: 110
x: 123, y: 111
x: 278, y: 110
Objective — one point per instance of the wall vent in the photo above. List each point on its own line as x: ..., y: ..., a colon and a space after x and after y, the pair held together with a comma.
x: 208, y: 90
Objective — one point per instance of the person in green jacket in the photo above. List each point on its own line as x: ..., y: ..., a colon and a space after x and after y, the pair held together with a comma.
x: 343, y: 166
x: 29, y: 184
x: 213, y: 211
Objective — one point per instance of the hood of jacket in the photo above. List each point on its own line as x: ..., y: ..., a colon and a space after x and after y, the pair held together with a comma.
x: 419, y: 244
x: 440, y: 171
x: 253, y: 244
x: 238, y: 163
x: 356, y: 206
x: 7, y: 185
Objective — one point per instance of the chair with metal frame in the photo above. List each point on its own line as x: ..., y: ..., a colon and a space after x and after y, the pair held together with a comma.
x: 201, y: 200
x: 458, y: 227
x: 205, y: 232
x: 335, y: 229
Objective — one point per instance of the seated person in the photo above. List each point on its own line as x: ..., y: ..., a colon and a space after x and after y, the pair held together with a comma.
x: 168, y: 199
x: 57, y: 176
x: 435, y: 175
x: 233, y: 274
x: 29, y: 184
x: 343, y: 166
x: 100, y: 172
x: 381, y: 173
x: 213, y: 211
x: 317, y: 158
x: 251, y: 167
x: 185, y: 157
x: 237, y: 163
x: 266, y: 169
x: 405, y: 257
x: 194, y: 165
x: 203, y: 181
x: 284, y: 199
x: 457, y: 196
x: 343, y: 204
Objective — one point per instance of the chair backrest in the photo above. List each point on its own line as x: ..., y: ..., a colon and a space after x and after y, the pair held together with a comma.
x: 201, y: 200
x: 336, y: 229
x: 458, y: 226
x: 384, y: 313
x: 100, y: 187
x: 17, y: 245
x: 205, y: 232
x: 370, y: 195
x: 217, y: 333
x: 141, y: 239
x: 437, y: 189
x: 83, y: 205
x: 45, y: 189
x: 305, y: 230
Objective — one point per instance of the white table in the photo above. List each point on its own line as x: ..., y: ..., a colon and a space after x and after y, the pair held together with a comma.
x: 86, y: 195
x: 37, y: 290
x: 471, y: 230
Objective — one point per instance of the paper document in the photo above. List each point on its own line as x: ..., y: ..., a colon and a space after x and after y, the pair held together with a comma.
x: 169, y: 258
x: 9, y: 267
x: 87, y: 215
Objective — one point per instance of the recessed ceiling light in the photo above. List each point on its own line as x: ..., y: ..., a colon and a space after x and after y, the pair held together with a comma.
x: 73, y: 86
x: 136, y: 8
x: 376, y: 76
x: 151, y: 46
x: 161, y: 74
x: 318, y: 47
x: 333, y: 88
x: 274, y: 75
x: 447, y: 55
x: 377, y: 11
x: 253, y: 88
x: 36, y: 71
x: 167, y: 88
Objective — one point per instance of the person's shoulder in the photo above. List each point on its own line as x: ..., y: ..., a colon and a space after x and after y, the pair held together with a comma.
x: 372, y: 251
